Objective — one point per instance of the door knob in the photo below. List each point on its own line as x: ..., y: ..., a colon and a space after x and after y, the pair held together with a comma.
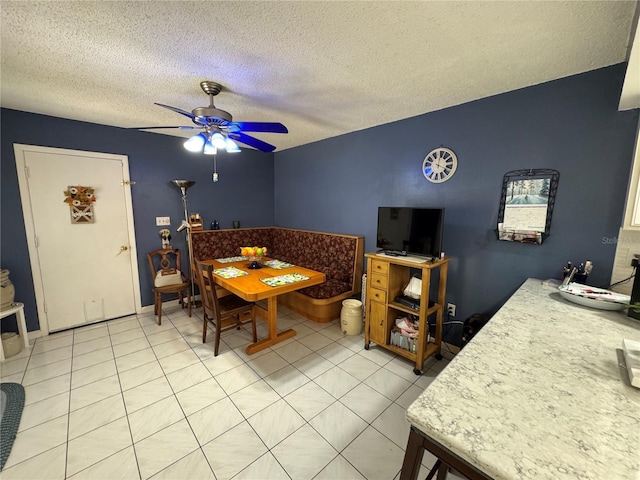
x: 124, y: 248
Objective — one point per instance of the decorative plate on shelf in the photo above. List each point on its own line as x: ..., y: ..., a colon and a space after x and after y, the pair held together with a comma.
x: 594, y: 297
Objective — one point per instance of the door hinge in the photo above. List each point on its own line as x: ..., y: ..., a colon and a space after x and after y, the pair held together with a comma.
x: 35, y: 240
x: 26, y: 172
x: 127, y: 182
x: 44, y: 305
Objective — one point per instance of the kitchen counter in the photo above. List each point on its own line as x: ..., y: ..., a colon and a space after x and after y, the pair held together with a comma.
x: 539, y: 393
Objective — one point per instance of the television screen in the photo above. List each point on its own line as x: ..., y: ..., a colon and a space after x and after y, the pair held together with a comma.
x: 410, y: 231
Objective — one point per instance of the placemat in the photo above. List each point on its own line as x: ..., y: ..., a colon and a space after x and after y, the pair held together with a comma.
x: 231, y: 259
x: 278, y: 264
x: 229, y: 272
x: 284, y: 279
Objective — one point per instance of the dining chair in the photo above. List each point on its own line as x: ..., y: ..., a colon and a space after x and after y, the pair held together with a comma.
x: 223, y: 313
x: 168, y: 278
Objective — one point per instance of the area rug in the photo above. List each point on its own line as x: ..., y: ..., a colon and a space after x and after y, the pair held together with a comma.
x: 11, y: 405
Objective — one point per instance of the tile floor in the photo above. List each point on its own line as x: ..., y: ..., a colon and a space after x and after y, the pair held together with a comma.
x: 130, y: 399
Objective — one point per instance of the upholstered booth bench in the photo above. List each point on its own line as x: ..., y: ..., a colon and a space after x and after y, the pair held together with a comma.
x: 339, y: 257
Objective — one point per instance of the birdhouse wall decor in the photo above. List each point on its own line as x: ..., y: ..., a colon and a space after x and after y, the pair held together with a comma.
x: 80, y: 200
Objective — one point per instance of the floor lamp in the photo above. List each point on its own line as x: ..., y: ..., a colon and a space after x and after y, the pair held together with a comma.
x: 184, y: 186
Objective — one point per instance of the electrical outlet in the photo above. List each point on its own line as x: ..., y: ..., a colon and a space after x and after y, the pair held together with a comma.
x: 161, y: 221
x: 451, y: 309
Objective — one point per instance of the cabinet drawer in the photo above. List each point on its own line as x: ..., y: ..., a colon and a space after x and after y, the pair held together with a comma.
x: 379, y: 267
x: 379, y: 281
x: 377, y: 295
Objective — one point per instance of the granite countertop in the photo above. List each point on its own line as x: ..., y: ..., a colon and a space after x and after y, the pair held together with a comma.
x: 539, y: 393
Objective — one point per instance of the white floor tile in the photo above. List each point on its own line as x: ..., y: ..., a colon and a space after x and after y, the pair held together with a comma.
x: 241, y: 447
x: 162, y: 449
x: 96, y: 415
x: 339, y: 468
x: 294, y: 351
x: 268, y: 364
x: 47, y: 358
x: 93, y: 358
x: 94, y: 392
x: 49, y: 388
x: 142, y: 374
x: 171, y: 347
x: 47, y: 372
x: 37, y: 440
x: 214, y: 420
x: 223, y: 362
x: 178, y: 361
x: 43, y: 411
x: 93, y: 373
x: 276, y: 422
x: 166, y: 408
x: 49, y: 465
x: 146, y: 394
x: 90, y: 332
x: 359, y: 367
x: 365, y: 402
x: 127, y: 336
x: 130, y: 346
x: 392, y: 423
x: 257, y: 396
x: 82, y: 348
x: 163, y: 336
x: 315, y: 341
x: 121, y: 464
x: 304, y: 454
x: 188, y: 377
x: 337, y: 382
x: 200, y: 396
x: 237, y: 378
x: 338, y: 425
x: 133, y: 360
x: 155, y: 417
x: 309, y: 400
x: 194, y: 467
x: 286, y: 380
x: 313, y: 365
x: 53, y: 342
x: 374, y: 455
x: 266, y: 467
x: 387, y: 383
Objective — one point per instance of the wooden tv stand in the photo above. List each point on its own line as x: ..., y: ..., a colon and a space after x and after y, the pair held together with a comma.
x: 386, y: 279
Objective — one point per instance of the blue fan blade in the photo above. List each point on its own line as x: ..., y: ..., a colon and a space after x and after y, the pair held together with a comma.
x: 177, y: 110
x: 252, y: 142
x: 155, y: 128
x: 270, y: 127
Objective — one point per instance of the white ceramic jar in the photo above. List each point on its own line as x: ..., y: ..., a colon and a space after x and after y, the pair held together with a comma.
x: 7, y: 290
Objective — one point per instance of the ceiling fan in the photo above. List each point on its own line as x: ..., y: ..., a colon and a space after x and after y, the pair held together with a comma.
x: 219, y: 131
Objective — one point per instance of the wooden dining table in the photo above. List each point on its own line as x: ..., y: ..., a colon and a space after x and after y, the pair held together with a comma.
x: 252, y: 289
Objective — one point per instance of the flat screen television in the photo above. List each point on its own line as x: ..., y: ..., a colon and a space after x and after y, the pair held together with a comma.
x: 410, y: 231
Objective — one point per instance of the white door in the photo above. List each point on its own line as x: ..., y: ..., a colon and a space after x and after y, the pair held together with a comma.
x: 82, y: 272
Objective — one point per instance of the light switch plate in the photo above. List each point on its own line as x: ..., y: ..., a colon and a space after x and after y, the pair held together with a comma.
x: 162, y: 221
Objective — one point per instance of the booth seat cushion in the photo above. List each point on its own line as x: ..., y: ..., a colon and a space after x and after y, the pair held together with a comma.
x: 227, y: 243
x: 328, y: 289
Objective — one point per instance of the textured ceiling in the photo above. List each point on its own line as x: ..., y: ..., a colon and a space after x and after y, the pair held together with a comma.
x: 323, y: 68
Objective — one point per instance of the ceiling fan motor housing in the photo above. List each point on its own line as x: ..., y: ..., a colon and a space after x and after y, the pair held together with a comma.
x: 209, y: 115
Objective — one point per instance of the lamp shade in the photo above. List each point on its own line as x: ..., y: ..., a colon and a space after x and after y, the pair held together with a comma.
x: 209, y: 148
x: 231, y: 146
x: 195, y: 143
x: 218, y: 140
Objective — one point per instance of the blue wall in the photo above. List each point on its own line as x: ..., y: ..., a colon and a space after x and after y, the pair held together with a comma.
x: 571, y: 125
x: 244, y: 192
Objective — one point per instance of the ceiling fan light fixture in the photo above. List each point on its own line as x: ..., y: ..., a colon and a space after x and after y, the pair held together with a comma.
x: 231, y: 146
x: 195, y: 143
x: 209, y: 148
x: 218, y: 140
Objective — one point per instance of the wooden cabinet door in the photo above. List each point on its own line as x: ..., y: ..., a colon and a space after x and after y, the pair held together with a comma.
x: 378, y: 323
